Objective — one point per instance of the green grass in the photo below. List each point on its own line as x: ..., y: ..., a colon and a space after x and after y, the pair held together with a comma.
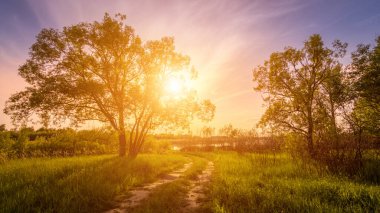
x: 240, y: 183
x: 78, y: 184
x: 254, y: 183
x: 171, y: 197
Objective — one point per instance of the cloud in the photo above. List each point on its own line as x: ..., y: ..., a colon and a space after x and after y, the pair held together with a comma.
x: 224, y: 38
x: 233, y: 95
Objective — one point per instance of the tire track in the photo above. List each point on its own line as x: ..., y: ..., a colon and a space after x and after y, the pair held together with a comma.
x: 196, y: 195
x: 141, y: 193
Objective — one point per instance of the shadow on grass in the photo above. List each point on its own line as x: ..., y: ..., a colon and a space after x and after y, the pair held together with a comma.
x: 370, y: 173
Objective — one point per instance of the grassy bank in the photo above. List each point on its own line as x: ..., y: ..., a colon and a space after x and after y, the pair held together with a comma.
x: 254, y: 183
x: 78, y: 184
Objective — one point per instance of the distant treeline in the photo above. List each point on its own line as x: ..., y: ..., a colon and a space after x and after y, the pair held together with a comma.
x: 56, y: 142
x: 258, y: 144
x: 28, y: 142
x: 240, y: 143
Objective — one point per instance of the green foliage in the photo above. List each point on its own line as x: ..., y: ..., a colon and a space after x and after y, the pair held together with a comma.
x: 370, y: 172
x: 19, y: 145
x: 365, y: 77
x: 296, y: 84
x: 79, y: 184
x: 67, y: 142
x: 53, y: 143
x: 366, y: 71
x: 6, y: 142
x: 153, y: 145
x: 333, y: 110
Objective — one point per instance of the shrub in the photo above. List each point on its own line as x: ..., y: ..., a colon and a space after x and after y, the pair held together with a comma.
x: 54, y: 143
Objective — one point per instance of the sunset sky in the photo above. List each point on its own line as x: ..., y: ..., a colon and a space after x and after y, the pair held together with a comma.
x: 225, y: 39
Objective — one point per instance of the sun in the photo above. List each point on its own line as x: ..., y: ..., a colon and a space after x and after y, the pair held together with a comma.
x: 178, y: 85
x: 174, y: 86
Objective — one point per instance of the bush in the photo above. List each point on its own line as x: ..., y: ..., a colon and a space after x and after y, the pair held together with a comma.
x: 3, y: 157
x: 54, y: 143
x: 153, y: 145
x: 6, y: 144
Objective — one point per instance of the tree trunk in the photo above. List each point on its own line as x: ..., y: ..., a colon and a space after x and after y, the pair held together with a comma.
x: 122, y: 144
x: 133, y: 147
x: 309, y: 137
x: 358, y: 153
x: 335, y: 130
x: 132, y: 153
x: 310, y: 145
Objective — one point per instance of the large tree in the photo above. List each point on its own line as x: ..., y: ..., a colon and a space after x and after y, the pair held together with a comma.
x: 292, y: 82
x: 102, y: 71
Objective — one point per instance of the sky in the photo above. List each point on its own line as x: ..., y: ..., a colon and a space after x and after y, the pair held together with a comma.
x: 225, y: 39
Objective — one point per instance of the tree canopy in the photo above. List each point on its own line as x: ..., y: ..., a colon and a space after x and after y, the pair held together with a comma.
x: 364, y: 77
x: 294, y: 83
x: 103, y: 71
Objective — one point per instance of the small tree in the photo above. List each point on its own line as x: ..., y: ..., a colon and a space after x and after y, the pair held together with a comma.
x: 102, y: 71
x: 228, y: 130
x: 207, y: 131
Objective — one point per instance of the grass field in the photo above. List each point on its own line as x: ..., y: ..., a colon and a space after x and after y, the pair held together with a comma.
x: 79, y: 184
x: 240, y: 183
x: 254, y: 183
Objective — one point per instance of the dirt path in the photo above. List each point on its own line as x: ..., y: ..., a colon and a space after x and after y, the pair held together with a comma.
x: 141, y: 193
x: 196, y: 194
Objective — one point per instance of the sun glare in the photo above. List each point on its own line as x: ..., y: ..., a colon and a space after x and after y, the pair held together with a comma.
x: 177, y: 86
x: 174, y: 86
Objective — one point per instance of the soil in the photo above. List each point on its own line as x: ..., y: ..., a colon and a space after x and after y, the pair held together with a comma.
x: 138, y: 194
x: 196, y: 195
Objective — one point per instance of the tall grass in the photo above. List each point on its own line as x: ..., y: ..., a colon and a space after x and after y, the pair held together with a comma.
x: 78, y: 184
x: 257, y: 183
